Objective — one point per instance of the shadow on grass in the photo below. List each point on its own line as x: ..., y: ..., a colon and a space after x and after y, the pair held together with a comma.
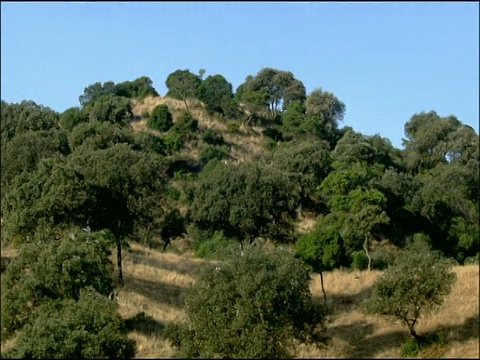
x: 184, y: 267
x: 146, y: 325
x: 5, y: 260
x: 344, y: 303
x: 363, y: 345
x: 157, y: 291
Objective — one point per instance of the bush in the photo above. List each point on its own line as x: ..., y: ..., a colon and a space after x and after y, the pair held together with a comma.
x: 212, y: 247
x: 52, y: 271
x: 250, y: 306
x: 67, y: 329
x: 359, y: 260
x: 145, y: 114
x: 212, y: 137
x: 411, y: 347
x: 160, y: 119
x: 232, y: 127
x: 416, y: 284
x: 213, y: 152
x: 186, y: 124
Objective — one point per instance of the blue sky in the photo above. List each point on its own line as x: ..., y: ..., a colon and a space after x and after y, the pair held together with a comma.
x: 385, y: 61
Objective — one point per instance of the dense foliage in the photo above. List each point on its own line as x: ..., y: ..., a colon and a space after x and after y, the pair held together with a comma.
x: 226, y: 166
x: 249, y: 306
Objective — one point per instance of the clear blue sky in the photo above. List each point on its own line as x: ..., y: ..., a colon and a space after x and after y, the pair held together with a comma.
x: 385, y: 61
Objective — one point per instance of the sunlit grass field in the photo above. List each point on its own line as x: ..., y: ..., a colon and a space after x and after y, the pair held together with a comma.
x: 155, y: 282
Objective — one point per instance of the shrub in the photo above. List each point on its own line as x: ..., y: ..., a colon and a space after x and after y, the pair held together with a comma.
x: 186, y: 124
x: 359, y: 260
x: 213, y: 152
x: 249, y: 306
x: 85, y: 329
x: 52, y: 271
x: 232, y: 127
x: 212, y: 137
x: 416, y: 284
x: 145, y: 114
x: 208, y: 249
x: 160, y: 119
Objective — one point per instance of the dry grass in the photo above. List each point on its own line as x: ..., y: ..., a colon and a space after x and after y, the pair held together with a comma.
x: 245, y: 145
x: 155, y: 282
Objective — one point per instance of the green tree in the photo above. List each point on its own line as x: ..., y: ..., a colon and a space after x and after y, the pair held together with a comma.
x: 96, y: 90
x: 183, y: 84
x: 250, y: 306
x: 322, y: 248
x: 245, y: 201
x: 415, y: 285
x: 160, y: 119
x: 308, y: 162
x: 216, y: 92
x: 51, y: 271
x: 113, y: 109
x: 72, y: 117
x: 67, y: 329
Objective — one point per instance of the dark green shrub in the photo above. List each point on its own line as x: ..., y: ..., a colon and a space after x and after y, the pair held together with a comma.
x: 209, y: 248
x: 359, y: 260
x: 160, y: 119
x: 250, y: 306
x: 172, y: 193
x: 173, y: 225
x: 50, y: 271
x: 273, y: 134
x: 411, y: 347
x: 233, y: 127
x: 212, y: 137
x: 173, y: 142
x: 145, y: 114
x: 67, y: 329
x: 213, y: 152
x: 186, y: 124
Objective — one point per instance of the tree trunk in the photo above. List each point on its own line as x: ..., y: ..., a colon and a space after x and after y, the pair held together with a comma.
x: 186, y: 105
x: 323, y: 289
x: 365, y: 247
x: 119, y: 260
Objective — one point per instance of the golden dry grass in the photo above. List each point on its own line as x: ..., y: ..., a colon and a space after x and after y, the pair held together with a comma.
x: 245, y: 145
x: 155, y: 281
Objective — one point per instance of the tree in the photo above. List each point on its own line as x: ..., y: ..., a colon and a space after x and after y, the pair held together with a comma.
x: 96, y: 90
x: 322, y: 248
x: 67, y: 329
x: 182, y: 84
x: 72, y: 117
x: 249, y: 306
x: 45, y: 272
x: 307, y: 161
x: 245, y: 201
x: 415, y: 285
x: 272, y: 88
x: 116, y: 188
x: 113, y: 109
x: 160, y: 119
x: 216, y: 92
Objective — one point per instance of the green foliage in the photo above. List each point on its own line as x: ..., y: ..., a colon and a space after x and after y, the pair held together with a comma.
x: 72, y: 117
x: 138, y: 88
x: 322, y: 248
x: 415, y: 285
x: 411, y: 347
x: 182, y: 84
x: 113, y: 109
x: 232, y: 127
x: 53, y: 271
x: 213, y: 152
x: 99, y: 135
x: 27, y: 115
x: 186, y: 124
x: 213, y: 137
x: 250, y: 306
x: 173, y: 225
x: 359, y: 260
x: 68, y: 329
x: 209, y: 249
x: 216, y: 92
x: 244, y: 201
x: 160, y: 119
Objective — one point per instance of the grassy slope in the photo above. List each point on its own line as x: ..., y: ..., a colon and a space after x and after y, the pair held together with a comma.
x: 155, y: 282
